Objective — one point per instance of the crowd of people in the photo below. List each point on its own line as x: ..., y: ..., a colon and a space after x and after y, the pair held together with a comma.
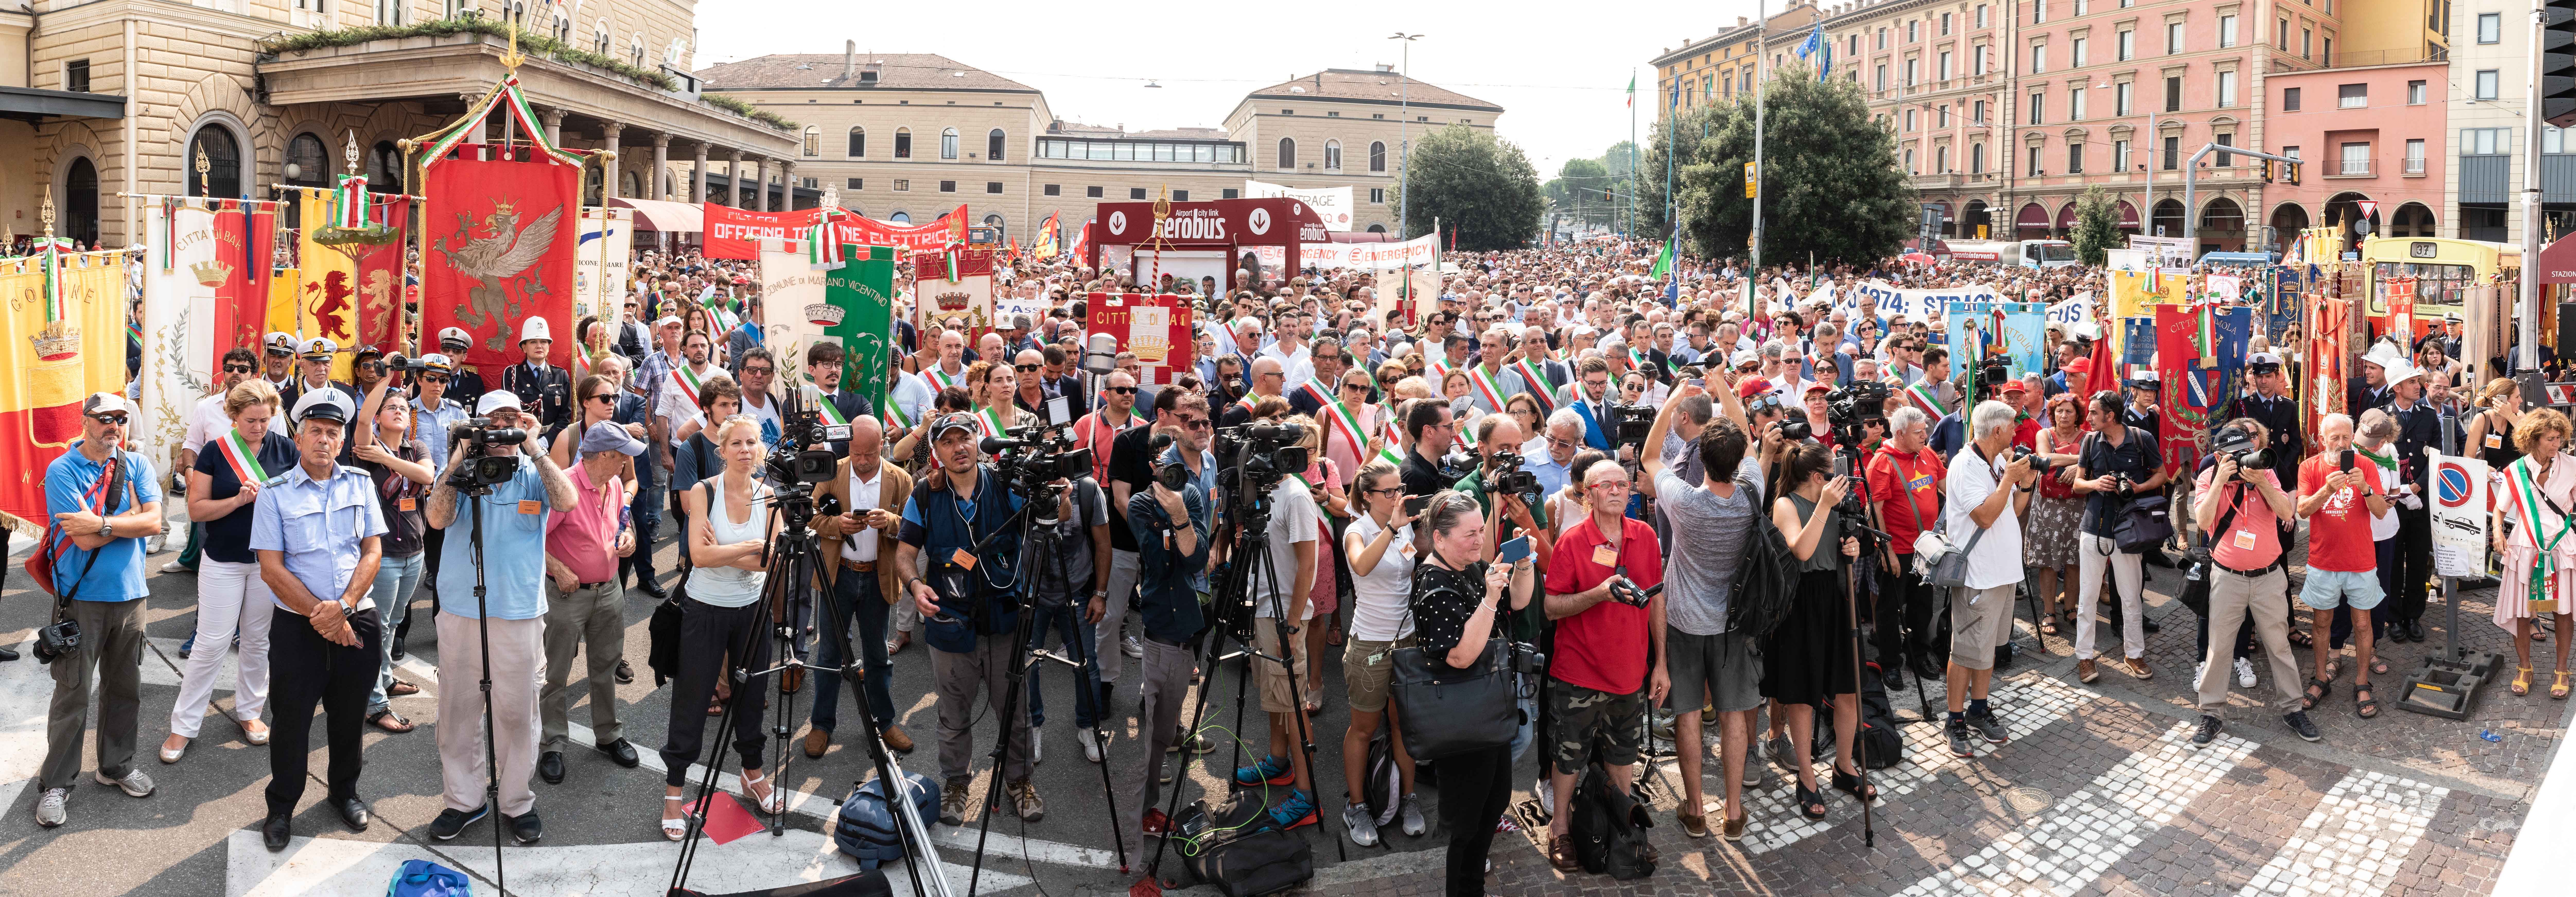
x: 1410, y: 532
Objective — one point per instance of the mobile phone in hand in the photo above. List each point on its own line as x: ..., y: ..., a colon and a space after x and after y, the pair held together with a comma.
x: 1413, y: 506
x: 1513, y: 550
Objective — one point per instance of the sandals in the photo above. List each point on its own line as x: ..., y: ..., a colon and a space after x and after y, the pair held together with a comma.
x: 2300, y: 639
x: 2366, y: 707
x: 1811, y: 803
x: 2048, y: 625
x: 675, y: 828
x: 2333, y: 667
x: 1850, y: 783
x: 2378, y: 665
x: 2558, y: 685
x: 2521, y: 681
x: 390, y: 721
x: 775, y: 803
x: 2315, y: 693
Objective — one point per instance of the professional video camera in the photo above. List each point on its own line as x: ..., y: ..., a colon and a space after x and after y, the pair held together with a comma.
x: 1034, y: 458
x: 1989, y: 375
x: 1174, y: 475
x: 400, y: 364
x: 2234, y: 442
x: 1855, y: 404
x: 1635, y: 423
x: 800, y: 458
x: 1510, y: 479
x: 1255, y: 457
x: 480, y: 470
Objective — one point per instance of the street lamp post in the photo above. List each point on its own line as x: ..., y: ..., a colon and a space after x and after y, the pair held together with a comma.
x: 1403, y: 138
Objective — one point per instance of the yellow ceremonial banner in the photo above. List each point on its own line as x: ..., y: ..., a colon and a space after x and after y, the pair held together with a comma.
x: 326, y: 302
x: 2130, y: 293
x: 60, y: 348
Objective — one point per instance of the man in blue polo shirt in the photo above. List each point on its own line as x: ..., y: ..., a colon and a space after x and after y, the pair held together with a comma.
x: 104, y: 520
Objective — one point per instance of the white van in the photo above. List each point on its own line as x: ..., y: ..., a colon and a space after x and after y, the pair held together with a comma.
x: 2015, y: 253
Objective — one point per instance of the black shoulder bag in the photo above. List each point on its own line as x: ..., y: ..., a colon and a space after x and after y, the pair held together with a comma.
x: 1452, y: 710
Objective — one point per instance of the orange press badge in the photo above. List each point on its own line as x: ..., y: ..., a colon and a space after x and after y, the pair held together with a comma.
x: 1605, y: 556
x: 962, y: 559
x: 529, y: 506
x: 2245, y: 539
x: 409, y: 504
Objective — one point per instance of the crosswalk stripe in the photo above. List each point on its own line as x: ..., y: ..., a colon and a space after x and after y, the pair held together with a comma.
x: 346, y: 867
x: 2352, y: 843
x: 2083, y: 836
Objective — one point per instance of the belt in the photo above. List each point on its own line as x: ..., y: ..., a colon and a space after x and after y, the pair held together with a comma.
x: 859, y: 566
x: 2254, y: 574
x: 590, y: 585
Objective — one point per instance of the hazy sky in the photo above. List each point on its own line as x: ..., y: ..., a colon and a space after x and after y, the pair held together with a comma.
x: 1560, y: 78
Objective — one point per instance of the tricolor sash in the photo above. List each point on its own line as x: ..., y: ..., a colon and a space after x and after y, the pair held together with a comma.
x: 688, y: 382
x: 991, y: 418
x: 1249, y: 399
x: 894, y: 416
x: 940, y: 379
x: 1536, y: 382
x: 244, y: 458
x: 1922, y: 394
x: 1315, y: 390
x: 831, y: 414
x: 1393, y: 438
x: 2528, y: 501
x: 1344, y: 422
x: 1484, y: 384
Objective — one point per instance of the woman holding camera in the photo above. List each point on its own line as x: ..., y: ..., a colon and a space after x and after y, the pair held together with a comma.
x: 231, y: 597
x: 2540, y: 553
x: 1380, y: 546
x: 730, y: 527
x: 1456, y: 603
x: 2054, y: 515
x: 1808, y: 660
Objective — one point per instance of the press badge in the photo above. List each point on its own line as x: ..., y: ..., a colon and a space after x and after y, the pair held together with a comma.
x: 2495, y: 440
x: 1604, y: 555
x: 1374, y: 659
x: 530, y: 506
x: 962, y: 559
x: 2245, y: 539
x: 409, y: 504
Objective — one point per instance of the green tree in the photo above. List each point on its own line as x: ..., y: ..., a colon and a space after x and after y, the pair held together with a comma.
x: 1619, y: 158
x: 1684, y: 130
x: 1831, y: 186
x: 1479, y: 184
x: 1579, y: 192
x: 2097, y: 225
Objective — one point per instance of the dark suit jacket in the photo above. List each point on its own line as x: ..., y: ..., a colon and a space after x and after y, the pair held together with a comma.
x: 1593, y: 433
x: 851, y: 405
x: 2357, y: 397
x: 547, y: 395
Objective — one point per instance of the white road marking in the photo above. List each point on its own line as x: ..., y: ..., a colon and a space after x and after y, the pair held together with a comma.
x: 1773, y: 819
x: 2066, y: 850
x: 26, y: 693
x: 2352, y: 843
x: 339, y: 867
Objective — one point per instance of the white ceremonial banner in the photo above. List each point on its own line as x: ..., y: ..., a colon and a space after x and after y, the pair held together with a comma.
x: 1422, y: 250
x: 2129, y: 260
x: 793, y: 310
x: 2459, y: 516
x: 1333, y: 204
x: 2165, y: 252
x: 606, y: 252
x: 1891, y: 300
x: 2078, y: 307
x: 180, y: 345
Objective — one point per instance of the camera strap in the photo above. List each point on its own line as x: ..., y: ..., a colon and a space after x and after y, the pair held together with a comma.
x: 105, y: 497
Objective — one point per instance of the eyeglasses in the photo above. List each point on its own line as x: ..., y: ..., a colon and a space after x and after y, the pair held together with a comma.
x: 114, y: 420
x: 1612, y: 486
x: 1197, y: 423
x: 601, y: 397
x: 1123, y: 390
x: 763, y: 370
x: 240, y: 368
x: 1390, y: 490
x: 1025, y: 368
x: 1358, y: 386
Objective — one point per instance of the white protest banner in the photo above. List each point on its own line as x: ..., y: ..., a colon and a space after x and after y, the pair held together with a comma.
x: 2224, y: 286
x: 1333, y: 204
x: 2076, y: 308
x: 794, y: 312
x: 2130, y: 260
x: 2165, y: 252
x: 1891, y: 300
x: 1323, y: 256
x: 599, y: 281
x: 1422, y: 250
x: 1023, y: 300
x: 2459, y: 516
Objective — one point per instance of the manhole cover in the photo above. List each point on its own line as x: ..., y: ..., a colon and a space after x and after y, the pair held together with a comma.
x: 2028, y: 799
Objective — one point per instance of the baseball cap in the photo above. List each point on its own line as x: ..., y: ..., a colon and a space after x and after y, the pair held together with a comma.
x: 106, y: 403
x: 495, y: 401
x: 2080, y: 366
x: 956, y: 420
x: 669, y: 319
x: 1743, y: 357
x: 606, y: 436
x: 1753, y: 387
x: 2015, y: 386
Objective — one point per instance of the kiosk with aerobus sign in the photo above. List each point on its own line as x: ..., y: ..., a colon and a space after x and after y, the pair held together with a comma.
x: 1198, y: 240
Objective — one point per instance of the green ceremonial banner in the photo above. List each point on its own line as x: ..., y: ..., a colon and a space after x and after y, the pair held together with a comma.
x: 863, y: 290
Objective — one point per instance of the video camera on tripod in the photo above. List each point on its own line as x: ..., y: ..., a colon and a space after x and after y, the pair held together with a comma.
x: 480, y: 470
x: 1255, y: 457
x: 800, y: 458
x: 1033, y: 458
x: 1853, y: 406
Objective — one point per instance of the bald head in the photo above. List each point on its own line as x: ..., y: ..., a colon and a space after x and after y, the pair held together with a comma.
x: 867, y: 439
x: 1268, y: 378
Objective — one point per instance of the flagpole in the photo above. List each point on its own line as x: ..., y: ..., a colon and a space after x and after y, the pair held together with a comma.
x: 1631, y: 229
x: 1761, y: 81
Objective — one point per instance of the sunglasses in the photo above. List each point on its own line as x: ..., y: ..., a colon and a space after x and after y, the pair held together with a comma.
x: 433, y: 378
x: 601, y: 397
x: 1025, y: 368
x: 1358, y: 386
x: 1196, y: 423
x: 240, y: 368
x: 117, y: 420
x: 1123, y: 390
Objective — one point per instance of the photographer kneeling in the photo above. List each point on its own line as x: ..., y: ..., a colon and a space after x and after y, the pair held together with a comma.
x: 1456, y: 606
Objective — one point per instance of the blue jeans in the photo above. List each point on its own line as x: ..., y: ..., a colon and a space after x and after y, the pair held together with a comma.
x: 858, y: 596
x: 395, y: 580
x: 1067, y: 625
x: 651, y: 493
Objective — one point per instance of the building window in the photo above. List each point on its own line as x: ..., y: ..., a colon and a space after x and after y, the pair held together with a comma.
x: 2076, y: 52
x: 992, y: 186
x: 2355, y: 159
x: 2033, y: 169
x: 2038, y: 58
x: 1377, y: 195
x: 2414, y: 93
x: 2289, y: 99
x: 1882, y: 76
x: 2483, y: 141
x: 1976, y: 157
x: 1945, y: 65
x: 1909, y: 121
x: 1941, y: 159
x: 1977, y: 60
x: 1229, y: 193
x: 858, y: 143
x: 76, y: 76
x: 1941, y: 116
x: 2173, y: 153
x: 1909, y: 160
x: 2352, y: 96
x: 2173, y: 94
x: 2120, y: 98
x: 1180, y: 196
x: 2038, y: 107
x: 902, y: 185
x: 811, y: 183
x: 899, y: 217
x: 305, y: 161
x: 947, y: 186
x: 2307, y: 43
x: 1091, y: 193
x: 813, y: 141
x: 2119, y: 155
x: 993, y: 145
x: 2226, y: 159
x: 2226, y: 89
x: 1287, y: 154
x: 1377, y: 156
x: 2415, y: 156
x: 903, y: 143
x: 2486, y: 84
x: 856, y: 184
x: 2075, y: 158
x: 948, y: 143
x: 2490, y: 27
x: 2173, y: 38
x: 1332, y: 155
x: 1945, y: 23
x: 1981, y: 15
x: 2283, y: 33
x: 1980, y: 110
x: 2227, y: 31
x: 2125, y: 45
x: 1135, y: 193
x: 2075, y: 104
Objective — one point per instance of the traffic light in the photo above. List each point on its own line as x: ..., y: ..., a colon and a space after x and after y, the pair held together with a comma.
x: 2293, y: 172
x: 2558, y: 64
x: 2267, y: 169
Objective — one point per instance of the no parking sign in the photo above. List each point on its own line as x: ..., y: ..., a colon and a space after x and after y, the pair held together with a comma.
x: 2459, y: 516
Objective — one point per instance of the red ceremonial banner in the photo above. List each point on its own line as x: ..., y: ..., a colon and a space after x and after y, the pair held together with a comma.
x: 500, y: 237
x: 380, y: 281
x: 733, y: 233
x: 243, y: 237
x: 1156, y: 328
x: 2185, y: 410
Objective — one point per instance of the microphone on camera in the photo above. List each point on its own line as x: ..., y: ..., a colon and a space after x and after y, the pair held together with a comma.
x: 994, y: 445
x: 1160, y: 443
x: 1100, y: 355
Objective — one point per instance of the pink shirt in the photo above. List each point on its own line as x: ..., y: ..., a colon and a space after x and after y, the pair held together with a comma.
x: 2252, y: 541
x: 584, y: 539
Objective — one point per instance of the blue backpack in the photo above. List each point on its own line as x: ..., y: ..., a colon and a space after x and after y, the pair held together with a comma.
x: 422, y: 878
x: 865, y: 828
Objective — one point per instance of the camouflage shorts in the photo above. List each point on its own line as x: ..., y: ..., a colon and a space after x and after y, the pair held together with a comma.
x: 1577, y: 715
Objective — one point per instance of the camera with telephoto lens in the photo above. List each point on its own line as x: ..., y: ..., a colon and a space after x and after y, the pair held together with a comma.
x: 1255, y: 457
x: 2038, y: 462
x: 1853, y: 406
x: 1635, y: 423
x: 1173, y: 474
x: 480, y: 470
x: 1795, y: 429
x: 57, y: 640
x: 402, y: 364
x: 2234, y: 442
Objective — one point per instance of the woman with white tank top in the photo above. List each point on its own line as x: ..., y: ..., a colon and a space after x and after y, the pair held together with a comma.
x: 730, y: 527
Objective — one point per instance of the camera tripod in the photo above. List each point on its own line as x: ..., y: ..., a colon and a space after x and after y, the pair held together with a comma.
x: 471, y: 491
x: 1250, y: 554
x: 1856, y: 524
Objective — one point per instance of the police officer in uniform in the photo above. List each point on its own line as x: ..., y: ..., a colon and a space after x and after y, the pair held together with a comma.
x: 279, y: 347
x: 328, y: 631
x: 2141, y: 411
x: 544, y: 389
x: 467, y: 387
x: 316, y: 374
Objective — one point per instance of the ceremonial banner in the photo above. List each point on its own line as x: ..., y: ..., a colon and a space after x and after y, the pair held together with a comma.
x: 954, y: 285
x: 1333, y: 204
x: 601, y: 276
x: 733, y: 233
x: 2191, y: 390
x: 1916, y: 304
x: 1972, y: 333
x: 193, y: 283
x: 862, y: 294
x: 1156, y: 328
x: 2024, y: 332
x: 796, y: 309
x: 2327, y: 320
x: 2138, y: 341
x: 351, y: 293
x: 2134, y: 292
x: 500, y: 250
x: 62, y: 337
x: 2222, y: 287
x: 2459, y: 516
x: 2076, y: 308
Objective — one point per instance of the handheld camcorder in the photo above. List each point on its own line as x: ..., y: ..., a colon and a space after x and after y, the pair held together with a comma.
x: 480, y: 470
x: 1174, y: 475
x: 402, y: 364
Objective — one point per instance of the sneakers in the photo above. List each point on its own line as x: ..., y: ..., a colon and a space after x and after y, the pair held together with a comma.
x: 136, y: 784
x: 1546, y: 796
x: 2298, y: 720
x: 1297, y: 811
x: 1779, y: 751
x: 953, y: 801
x: 49, y: 809
x: 1987, y: 725
x: 2137, y: 667
x: 1694, y: 826
x: 175, y: 567
x: 1134, y: 648
x: 1090, y: 745
x: 1960, y: 747
x: 524, y: 828
x: 1360, y: 824
x: 1025, y: 800
x: 2198, y: 670
x: 2206, y: 732
x: 1037, y: 745
x: 1270, y: 771
x: 2244, y: 673
x: 1410, y: 810
x: 450, y: 822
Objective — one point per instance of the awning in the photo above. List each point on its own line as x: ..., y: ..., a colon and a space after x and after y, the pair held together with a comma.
x: 35, y: 106
x: 663, y: 215
x: 2558, y: 261
x: 2066, y: 216
x: 2128, y: 214
x: 2031, y: 215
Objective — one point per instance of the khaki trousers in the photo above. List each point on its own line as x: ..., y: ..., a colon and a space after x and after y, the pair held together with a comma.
x: 518, y: 659
x: 2232, y: 597
x: 592, y: 620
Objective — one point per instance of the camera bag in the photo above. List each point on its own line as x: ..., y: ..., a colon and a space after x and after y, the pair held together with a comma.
x: 1609, y: 828
x: 1766, y: 579
x: 1877, y: 741
x: 1952, y: 571
x: 865, y: 828
x: 1268, y: 861
x: 2144, y: 525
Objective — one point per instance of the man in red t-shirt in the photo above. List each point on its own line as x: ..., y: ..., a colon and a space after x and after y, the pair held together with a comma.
x: 1599, y: 682
x: 2339, y: 494
x: 1904, y: 487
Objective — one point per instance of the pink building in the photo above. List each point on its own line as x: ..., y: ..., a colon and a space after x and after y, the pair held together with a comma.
x: 2370, y: 133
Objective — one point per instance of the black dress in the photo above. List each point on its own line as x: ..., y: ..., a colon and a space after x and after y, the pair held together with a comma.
x: 2498, y: 458
x: 1810, y: 656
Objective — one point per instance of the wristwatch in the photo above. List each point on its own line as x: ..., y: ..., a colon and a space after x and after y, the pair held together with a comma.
x: 106, y: 528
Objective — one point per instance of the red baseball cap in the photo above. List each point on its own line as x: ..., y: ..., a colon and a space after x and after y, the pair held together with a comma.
x: 2014, y: 386
x: 2080, y: 366
x: 1752, y: 387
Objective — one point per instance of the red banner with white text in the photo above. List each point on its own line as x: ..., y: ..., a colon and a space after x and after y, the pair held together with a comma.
x: 733, y: 233
x: 501, y: 242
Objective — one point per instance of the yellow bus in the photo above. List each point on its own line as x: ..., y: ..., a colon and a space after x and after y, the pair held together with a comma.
x: 2442, y: 270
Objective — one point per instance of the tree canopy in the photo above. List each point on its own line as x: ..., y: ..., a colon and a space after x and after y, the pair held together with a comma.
x: 1478, y: 184
x: 2097, y: 226
x: 1832, y: 186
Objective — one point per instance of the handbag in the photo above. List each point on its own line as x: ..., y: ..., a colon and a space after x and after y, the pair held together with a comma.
x: 1952, y: 570
x: 1452, y: 710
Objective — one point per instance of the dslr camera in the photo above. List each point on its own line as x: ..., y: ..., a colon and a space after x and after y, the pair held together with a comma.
x: 1174, y: 475
x: 1625, y: 590
x: 402, y: 364
x: 57, y: 640
x: 480, y: 470
x: 2038, y: 462
x: 2234, y: 442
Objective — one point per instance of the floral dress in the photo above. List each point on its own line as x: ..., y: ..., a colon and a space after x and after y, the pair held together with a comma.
x: 2056, y: 516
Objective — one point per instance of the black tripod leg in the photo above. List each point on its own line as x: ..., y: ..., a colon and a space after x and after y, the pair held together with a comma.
x: 1087, y: 694
x: 1014, y: 682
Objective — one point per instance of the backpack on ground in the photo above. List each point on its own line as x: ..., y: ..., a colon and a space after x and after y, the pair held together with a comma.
x: 1609, y: 829
x: 1382, y: 783
x: 1766, y: 581
x: 1236, y: 846
x: 422, y: 878
x: 865, y: 828
x: 1877, y: 742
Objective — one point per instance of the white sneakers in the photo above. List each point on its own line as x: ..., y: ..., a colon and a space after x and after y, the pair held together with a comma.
x: 49, y: 809
x: 135, y: 783
x: 175, y: 567
x: 1091, y: 746
x: 2244, y: 673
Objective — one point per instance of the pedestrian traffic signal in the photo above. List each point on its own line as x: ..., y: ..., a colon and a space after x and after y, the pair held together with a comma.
x: 2558, y: 63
